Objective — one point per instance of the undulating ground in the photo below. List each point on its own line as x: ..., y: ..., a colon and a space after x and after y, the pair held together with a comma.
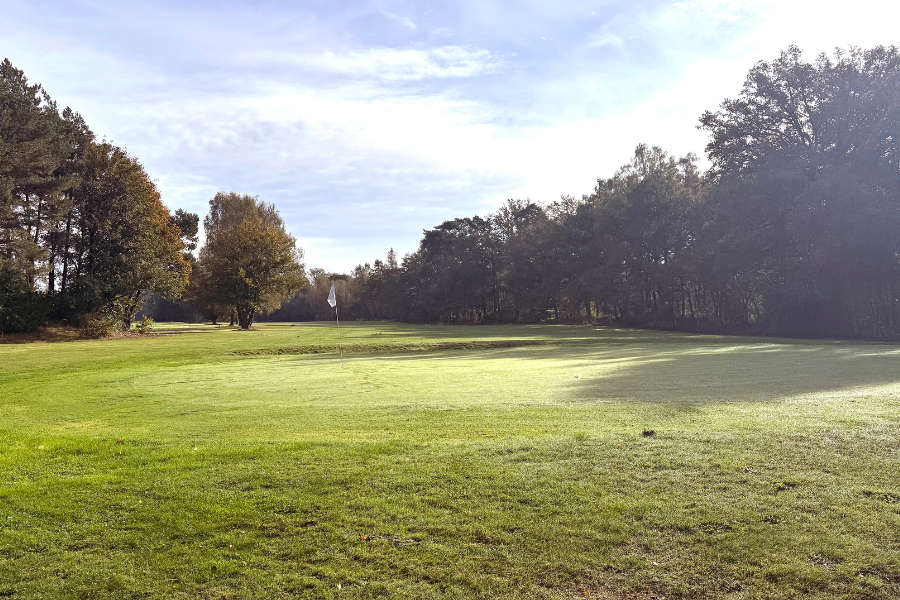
x: 448, y: 462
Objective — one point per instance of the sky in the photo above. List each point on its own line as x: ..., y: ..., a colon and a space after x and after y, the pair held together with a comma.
x: 367, y: 121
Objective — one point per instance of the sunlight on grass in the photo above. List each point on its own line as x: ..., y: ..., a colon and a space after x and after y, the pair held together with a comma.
x: 503, y: 461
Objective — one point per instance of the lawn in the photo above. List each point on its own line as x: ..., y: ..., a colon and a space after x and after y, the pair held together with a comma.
x: 448, y: 462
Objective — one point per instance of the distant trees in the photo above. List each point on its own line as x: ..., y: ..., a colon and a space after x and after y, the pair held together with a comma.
x: 82, y: 227
x: 794, y: 230
x: 249, y: 263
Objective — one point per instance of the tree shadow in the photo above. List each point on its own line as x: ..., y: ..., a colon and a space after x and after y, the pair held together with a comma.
x: 47, y: 334
x: 685, y: 371
x: 690, y: 378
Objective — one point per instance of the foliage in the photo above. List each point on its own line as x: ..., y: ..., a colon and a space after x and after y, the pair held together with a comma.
x: 188, y: 225
x: 249, y: 262
x: 105, y: 322
x: 79, y: 220
x: 21, y: 309
x: 793, y: 230
x: 808, y: 171
x: 145, y: 325
x: 133, y: 245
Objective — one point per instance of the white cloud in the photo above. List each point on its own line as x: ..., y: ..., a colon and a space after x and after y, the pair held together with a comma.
x: 363, y: 147
x: 402, y: 20
x: 605, y: 38
x: 389, y: 64
x: 447, y: 156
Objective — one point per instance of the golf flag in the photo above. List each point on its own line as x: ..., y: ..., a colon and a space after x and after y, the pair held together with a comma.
x: 332, y: 302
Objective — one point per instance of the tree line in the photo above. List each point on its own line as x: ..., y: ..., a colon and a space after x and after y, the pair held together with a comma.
x: 85, y: 237
x: 83, y: 231
x: 793, y: 230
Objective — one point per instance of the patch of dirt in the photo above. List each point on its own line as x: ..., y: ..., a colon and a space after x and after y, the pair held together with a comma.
x: 782, y: 486
x: 713, y: 528
x: 613, y: 592
x: 887, y: 577
x: 54, y: 333
x: 817, y: 558
x: 485, y: 539
x: 888, y: 497
x: 394, y: 540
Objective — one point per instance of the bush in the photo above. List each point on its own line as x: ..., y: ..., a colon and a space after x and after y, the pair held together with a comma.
x: 21, y: 308
x: 22, y: 312
x: 144, y: 326
x: 100, y: 324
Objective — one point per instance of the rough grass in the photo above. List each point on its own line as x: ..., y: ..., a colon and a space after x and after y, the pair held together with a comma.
x: 448, y: 462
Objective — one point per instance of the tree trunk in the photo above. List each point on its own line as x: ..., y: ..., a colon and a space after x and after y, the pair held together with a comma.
x: 132, y: 311
x: 65, y: 269
x: 245, y: 316
x: 51, y: 266
x: 37, y: 221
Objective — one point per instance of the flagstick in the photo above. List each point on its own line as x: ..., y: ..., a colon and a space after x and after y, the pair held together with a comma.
x: 340, y: 339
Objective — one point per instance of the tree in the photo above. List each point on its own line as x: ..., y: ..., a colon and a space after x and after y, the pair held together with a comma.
x: 21, y: 308
x: 249, y: 261
x: 32, y: 152
x: 188, y: 225
x: 127, y: 244
x: 834, y: 111
x: 808, y: 155
x: 81, y: 225
x: 521, y: 228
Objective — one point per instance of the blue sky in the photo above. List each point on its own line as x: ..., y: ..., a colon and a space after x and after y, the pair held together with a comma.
x: 367, y: 121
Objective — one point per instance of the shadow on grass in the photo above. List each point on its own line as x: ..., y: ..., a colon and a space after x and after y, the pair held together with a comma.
x: 689, y: 378
x: 684, y: 372
x: 46, y: 334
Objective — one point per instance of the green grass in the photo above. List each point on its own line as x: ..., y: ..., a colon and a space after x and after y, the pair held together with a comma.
x: 448, y: 462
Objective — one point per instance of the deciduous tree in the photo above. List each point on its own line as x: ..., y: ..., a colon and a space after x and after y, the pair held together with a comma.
x: 249, y: 261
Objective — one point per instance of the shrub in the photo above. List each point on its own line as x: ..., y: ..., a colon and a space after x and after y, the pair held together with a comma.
x: 21, y: 308
x: 100, y: 324
x: 144, y: 326
x: 22, y: 312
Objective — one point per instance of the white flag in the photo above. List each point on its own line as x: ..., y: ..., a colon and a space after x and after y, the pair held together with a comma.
x: 332, y: 300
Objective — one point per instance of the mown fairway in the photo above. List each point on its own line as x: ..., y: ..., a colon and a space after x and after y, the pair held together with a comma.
x: 455, y: 462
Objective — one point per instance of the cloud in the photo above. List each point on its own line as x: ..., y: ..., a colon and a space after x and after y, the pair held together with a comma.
x: 388, y: 64
x: 365, y: 126
x: 605, y: 38
x: 399, y: 19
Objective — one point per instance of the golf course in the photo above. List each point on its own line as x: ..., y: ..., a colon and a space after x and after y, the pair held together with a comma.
x: 507, y: 461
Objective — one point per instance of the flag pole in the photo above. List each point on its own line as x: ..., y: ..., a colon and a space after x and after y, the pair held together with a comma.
x: 337, y: 318
x: 332, y: 302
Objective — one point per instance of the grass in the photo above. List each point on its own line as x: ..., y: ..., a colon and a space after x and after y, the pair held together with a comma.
x: 448, y: 462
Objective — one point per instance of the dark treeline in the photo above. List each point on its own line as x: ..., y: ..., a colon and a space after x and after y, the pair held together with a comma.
x: 793, y: 230
x: 83, y: 232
